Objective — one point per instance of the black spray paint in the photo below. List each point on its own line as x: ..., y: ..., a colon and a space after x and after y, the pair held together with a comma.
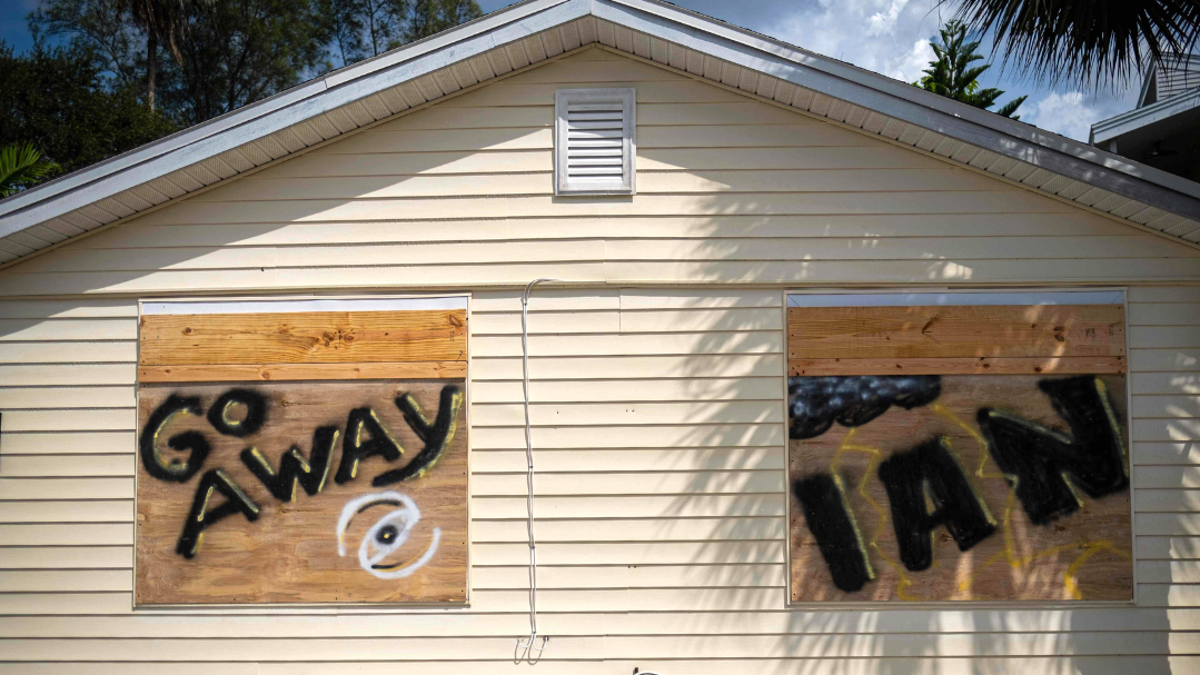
x: 256, y: 413
x: 356, y: 448
x: 294, y: 470
x: 437, y: 435
x: 815, y: 403
x: 832, y: 524
x: 202, y: 516
x: 930, y: 469
x: 1038, y: 457
x: 366, y: 436
x: 192, y: 441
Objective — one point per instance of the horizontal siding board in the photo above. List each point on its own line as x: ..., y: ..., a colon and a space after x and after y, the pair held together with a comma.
x: 99, y: 511
x: 702, y: 387
x: 672, y: 182
x: 751, y: 341
x: 67, y: 329
x: 1147, y: 360
x: 779, y: 623
x: 68, y: 443
x: 53, y: 466
x: 136, y: 235
x: 399, y: 649
x: 45, y: 351
x: 538, y: 206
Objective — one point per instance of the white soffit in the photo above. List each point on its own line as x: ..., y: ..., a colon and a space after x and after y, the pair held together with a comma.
x: 537, y: 30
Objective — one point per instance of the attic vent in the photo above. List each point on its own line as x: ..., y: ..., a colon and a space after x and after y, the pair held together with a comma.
x: 594, y: 141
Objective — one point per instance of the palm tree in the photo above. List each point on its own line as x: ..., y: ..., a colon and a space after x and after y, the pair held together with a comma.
x: 20, y: 165
x: 1084, y: 41
x: 162, y: 21
x: 952, y: 76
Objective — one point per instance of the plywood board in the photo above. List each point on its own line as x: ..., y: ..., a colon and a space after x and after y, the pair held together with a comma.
x: 279, y: 372
x: 1042, y: 331
x: 303, y: 337
x: 961, y: 365
x: 869, y: 437
x: 403, y: 537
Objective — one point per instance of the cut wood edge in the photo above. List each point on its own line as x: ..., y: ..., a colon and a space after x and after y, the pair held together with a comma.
x: 966, y: 365
x: 284, y: 372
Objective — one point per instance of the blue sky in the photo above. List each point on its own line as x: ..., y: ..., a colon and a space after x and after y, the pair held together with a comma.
x: 887, y: 36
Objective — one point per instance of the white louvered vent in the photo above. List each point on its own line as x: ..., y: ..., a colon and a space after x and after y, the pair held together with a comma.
x: 594, y: 144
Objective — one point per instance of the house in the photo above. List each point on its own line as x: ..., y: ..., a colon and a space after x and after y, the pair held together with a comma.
x: 830, y: 374
x: 1162, y: 130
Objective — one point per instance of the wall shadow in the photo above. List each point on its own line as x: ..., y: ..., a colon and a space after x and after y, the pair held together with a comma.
x: 894, y: 638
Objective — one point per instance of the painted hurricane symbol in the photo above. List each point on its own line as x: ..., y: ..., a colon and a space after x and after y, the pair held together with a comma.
x: 387, y: 535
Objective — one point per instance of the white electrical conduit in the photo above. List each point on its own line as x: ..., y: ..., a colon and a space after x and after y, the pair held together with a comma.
x: 533, y: 633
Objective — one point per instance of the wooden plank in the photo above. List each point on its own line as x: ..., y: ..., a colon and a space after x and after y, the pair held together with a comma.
x: 304, y: 371
x: 962, y: 365
x: 1081, y: 555
x: 303, y: 337
x: 289, y: 550
x: 1043, y: 331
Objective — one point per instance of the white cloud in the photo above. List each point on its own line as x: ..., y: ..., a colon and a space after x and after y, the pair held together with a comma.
x: 887, y: 36
x: 891, y: 37
x: 917, y: 61
x: 1068, y: 114
x: 882, y: 23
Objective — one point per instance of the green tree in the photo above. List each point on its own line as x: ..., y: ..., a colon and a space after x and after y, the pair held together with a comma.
x: 162, y: 21
x: 236, y: 51
x: 952, y: 75
x: 63, y: 102
x: 365, y: 28
x: 1084, y: 42
x: 240, y: 51
x: 434, y: 16
x: 21, y: 165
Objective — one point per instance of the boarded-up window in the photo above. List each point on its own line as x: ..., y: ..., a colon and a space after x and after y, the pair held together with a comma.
x: 958, y: 447
x: 308, y: 451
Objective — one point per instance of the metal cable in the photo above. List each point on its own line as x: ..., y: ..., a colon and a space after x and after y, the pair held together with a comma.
x: 533, y: 633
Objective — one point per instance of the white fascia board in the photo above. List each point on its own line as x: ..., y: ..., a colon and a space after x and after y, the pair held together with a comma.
x: 903, y: 101
x: 261, y: 119
x: 1113, y: 127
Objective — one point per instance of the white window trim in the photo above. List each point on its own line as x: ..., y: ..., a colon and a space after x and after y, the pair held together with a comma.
x: 564, y: 185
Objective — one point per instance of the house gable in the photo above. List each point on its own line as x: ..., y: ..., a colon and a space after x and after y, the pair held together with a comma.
x: 528, y: 33
x: 731, y: 189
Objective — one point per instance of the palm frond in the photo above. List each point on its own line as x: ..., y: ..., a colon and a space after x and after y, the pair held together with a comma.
x: 1093, y: 43
x: 1009, y: 108
x: 21, y: 164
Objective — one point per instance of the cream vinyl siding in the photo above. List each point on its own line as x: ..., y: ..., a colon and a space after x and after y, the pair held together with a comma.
x: 657, y: 391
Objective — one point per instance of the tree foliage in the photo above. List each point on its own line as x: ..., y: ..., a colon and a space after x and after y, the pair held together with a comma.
x: 61, y: 100
x: 364, y: 28
x: 1084, y: 42
x: 131, y: 71
x: 20, y: 165
x: 952, y: 75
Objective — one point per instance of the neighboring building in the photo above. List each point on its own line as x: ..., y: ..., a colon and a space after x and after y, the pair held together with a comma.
x: 1163, y: 131
x: 750, y: 242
